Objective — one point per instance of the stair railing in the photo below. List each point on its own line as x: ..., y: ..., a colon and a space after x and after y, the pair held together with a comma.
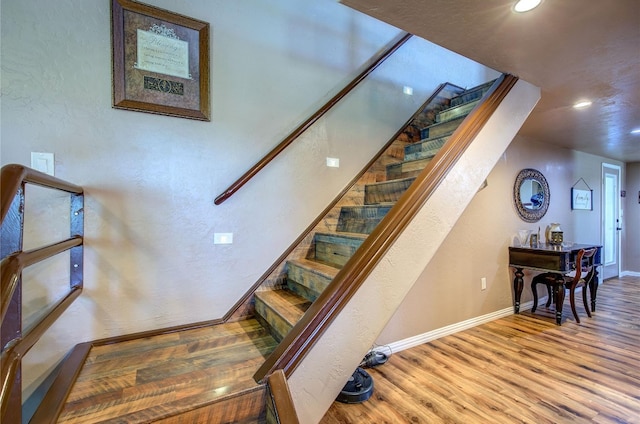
x: 309, y: 122
x: 280, y: 408
x: 15, y: 344
x: 298, y: 342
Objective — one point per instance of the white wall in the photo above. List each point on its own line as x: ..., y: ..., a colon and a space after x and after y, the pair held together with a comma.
x: 150, y: 180
x: 631, y: 205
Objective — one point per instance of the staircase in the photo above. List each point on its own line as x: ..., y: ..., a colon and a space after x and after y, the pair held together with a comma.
x: 288, y: 293
x: 278, y: 304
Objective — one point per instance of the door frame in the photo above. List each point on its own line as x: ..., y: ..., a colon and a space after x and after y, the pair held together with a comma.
x: 618, y: 170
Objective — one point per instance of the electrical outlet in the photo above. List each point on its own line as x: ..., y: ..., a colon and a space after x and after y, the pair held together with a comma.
x: 483, y: 283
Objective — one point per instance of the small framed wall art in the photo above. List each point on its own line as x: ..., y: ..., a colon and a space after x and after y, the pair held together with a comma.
x: 160, y: 61
x: 581, y: 199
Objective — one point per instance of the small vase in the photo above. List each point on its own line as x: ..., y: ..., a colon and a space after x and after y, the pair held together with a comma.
x: 554, y: 234
x: 523, y: 235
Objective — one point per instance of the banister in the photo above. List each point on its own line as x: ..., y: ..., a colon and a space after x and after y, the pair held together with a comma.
x: 15, y: 344
x: 10, y: 361
x: 282, y: 401
x: 13, y: 176
x: 17, y: 348
x: 309, y: 122
x: 334, y: 298
x: 11, y: 267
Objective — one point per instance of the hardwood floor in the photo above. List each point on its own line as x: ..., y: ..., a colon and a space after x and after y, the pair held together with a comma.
x: 142, y: 381
x: 518, y: 369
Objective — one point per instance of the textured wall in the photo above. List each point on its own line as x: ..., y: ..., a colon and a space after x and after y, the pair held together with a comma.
x: 150, y: 180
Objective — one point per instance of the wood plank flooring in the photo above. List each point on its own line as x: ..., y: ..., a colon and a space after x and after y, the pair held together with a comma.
x: 518, y: 369
x: 146, y: 380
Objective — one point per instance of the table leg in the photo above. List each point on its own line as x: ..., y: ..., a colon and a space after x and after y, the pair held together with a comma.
x: 559, y: 292
x: 593, y: 289
x: 518, y: 284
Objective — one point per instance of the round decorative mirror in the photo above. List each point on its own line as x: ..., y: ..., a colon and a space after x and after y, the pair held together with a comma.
x: 531, y: 195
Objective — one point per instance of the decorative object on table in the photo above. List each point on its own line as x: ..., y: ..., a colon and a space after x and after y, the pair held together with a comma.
x: 160, y: 61
x: 531, y: 195
x: 523, y: 236
x: 553, y: 234
x: 581, y: 199
x: 533, y: 240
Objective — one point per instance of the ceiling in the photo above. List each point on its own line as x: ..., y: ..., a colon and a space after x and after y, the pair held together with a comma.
x: 571, y: 49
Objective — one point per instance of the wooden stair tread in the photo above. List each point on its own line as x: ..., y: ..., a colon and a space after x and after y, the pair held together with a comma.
x: 316, y: 267
x: 387, y: 182
x: 186, y: 370
x: 409, y: 165
x: 456, y: 111
x: 288, y: 305
x: 346, y: 234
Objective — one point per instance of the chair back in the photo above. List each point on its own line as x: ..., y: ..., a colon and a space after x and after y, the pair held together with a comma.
x: 584, y: 270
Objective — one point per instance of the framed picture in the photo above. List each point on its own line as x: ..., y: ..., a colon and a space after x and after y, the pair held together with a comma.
x: 160, y: 61
x: 581, y: 199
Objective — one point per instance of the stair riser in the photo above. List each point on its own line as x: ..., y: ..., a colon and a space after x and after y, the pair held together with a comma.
x: 301, y: 290
x: 388, y: 192
x: 406, y: 169
x: 362, y: 219
x: 425, y: 149
x: 314, y: 283
x: 440, y: 129
x: 336, y: 254
x: 278, y: 326
x: 473, y: 94
x: 456, y: 112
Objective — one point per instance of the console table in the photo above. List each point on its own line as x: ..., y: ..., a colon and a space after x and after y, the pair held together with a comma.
x: 548, y: 258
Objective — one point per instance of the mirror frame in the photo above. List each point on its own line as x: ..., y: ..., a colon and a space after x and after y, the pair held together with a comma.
x: 525, y: 214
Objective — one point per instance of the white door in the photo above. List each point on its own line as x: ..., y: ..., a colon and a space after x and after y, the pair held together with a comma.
x: 610, y: 221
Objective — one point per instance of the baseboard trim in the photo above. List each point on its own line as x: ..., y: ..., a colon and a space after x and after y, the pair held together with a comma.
x: 629, y: 274
x: 453, y: 328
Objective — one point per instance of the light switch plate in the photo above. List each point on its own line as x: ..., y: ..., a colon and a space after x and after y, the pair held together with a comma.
x: 333, y: 162
x: 43, y: 162
x: 222, y: 238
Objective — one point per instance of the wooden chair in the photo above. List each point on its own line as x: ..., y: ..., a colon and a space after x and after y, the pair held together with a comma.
x: 557, y: 283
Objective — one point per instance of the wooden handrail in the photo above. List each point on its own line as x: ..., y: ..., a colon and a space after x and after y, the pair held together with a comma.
x: 335, y: 297
x: 283, y: 403
x: 16, y: 344
x: 11, y: 267
x: 13, y: 176
x: 14, y: 353
x: 249, y: 294
x: 309, y: 122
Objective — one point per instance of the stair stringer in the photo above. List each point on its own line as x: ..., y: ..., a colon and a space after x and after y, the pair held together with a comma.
x: 323, y: 372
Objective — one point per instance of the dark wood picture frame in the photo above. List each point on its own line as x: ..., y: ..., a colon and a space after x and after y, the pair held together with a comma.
x: 160, y: 61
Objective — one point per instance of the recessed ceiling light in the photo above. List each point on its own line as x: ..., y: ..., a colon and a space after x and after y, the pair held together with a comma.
x: 526, y: 5
x: 635, y: 131
x: 582, y: 104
